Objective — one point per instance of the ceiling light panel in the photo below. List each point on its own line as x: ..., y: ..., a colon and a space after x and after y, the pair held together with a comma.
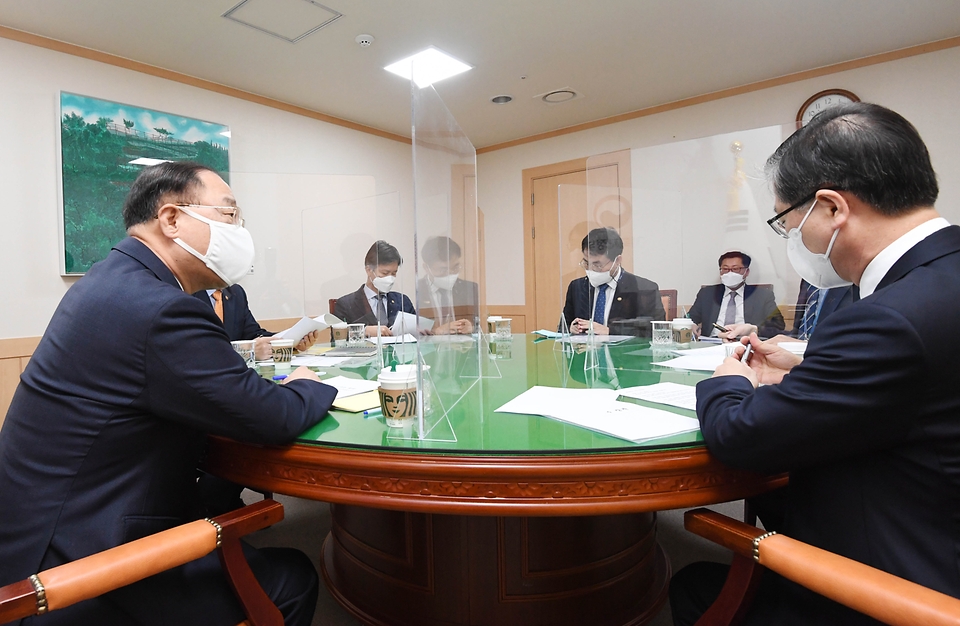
x: 290, y: 20
x: 428, y: 67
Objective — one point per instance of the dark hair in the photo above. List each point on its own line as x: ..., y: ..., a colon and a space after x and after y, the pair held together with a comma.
x: 439, y: 249
x: 381, y: 253
x: 155, y: 184
x: 862, y: 148
x: 603, y: 241
x: 735, y: 254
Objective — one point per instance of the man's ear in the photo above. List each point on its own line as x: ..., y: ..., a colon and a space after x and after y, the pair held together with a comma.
x: 836, y: 203
x: 167, y: 217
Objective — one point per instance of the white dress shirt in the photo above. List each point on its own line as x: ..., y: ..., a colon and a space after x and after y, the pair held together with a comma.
x: 881, y: 264
x: 374, y: 302
x: 611, y: 288
x: 725, y: 302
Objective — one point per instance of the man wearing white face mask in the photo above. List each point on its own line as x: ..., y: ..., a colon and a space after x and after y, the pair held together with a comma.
x: 866, y: 422
x: 734, y: 304
x: 101, y: 442
x: 610, y: 299
x: 453, y: 303
x: 375, y: 303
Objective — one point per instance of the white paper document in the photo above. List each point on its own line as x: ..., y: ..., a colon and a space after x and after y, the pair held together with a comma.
x: 702, y: 363
x: 410, y: 323
x: 796, y: 347
x: 596, y: 338
x: 552, y: 334
x: 598, y: 409
x: 318, y: 360
x: 386, y: 340
x: 347, y: 387
x: 306, y: 325
x: 673, y: 394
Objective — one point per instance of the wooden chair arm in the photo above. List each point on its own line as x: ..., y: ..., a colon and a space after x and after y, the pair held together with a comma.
x: 882, y: 596
x: 111, y: 569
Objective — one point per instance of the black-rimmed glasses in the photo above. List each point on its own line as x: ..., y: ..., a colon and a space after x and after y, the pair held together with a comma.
x: 777, y: 222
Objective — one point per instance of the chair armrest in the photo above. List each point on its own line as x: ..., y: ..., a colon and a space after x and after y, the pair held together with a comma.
x: 876, y: 593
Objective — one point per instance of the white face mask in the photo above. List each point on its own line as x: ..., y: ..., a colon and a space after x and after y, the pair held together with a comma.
x: 731, y: 279
x: 230, y: 252
x: 445, y: 282
x: 384, y: 283
x: 816, y: 269
x: 598, y: 279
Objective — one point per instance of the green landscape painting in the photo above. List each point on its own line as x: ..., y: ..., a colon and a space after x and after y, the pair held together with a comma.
x: 104, y: 146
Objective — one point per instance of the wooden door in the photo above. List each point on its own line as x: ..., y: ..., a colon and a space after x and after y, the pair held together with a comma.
x: 564, y: 209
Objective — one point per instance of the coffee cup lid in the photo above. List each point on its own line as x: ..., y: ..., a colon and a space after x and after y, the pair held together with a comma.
x: 404, y: 373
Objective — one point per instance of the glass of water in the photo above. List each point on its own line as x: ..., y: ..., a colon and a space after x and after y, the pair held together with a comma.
x: 662, y: 333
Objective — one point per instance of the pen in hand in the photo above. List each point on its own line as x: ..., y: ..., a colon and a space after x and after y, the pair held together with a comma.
x: 722, y: 329
x: 746, y: 353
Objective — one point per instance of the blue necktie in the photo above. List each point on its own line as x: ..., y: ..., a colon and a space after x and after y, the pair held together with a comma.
x: 601, y: 304
x: 810, y: 313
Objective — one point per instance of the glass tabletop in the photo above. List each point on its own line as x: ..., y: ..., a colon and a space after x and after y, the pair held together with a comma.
x: 509, y: 369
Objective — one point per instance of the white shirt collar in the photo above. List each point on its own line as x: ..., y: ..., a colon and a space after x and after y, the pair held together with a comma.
x: 881, y: 264
x: 370, y: 293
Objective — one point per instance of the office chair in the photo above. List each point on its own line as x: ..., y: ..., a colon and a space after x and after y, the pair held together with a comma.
x: 882, y: 596
x: 669, y: 299
x: 97, y: 574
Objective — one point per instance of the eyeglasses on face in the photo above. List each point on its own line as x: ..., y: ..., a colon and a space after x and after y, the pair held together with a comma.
x: 736, y: 270
x: 234, y: 213
x: 779, y: 224
x: 596, y: 266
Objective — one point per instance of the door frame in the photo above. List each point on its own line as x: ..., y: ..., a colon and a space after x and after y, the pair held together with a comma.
x: 621, y: 159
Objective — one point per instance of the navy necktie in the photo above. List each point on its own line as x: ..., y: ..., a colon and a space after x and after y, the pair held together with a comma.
x: 601, y: 307
x: 810, y: 314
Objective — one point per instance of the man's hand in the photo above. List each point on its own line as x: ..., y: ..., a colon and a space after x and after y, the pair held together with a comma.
x: 308, y: 340
x: 456, y: 327
x: 262, y: 349
x: 732, y: 366
x: 735, y: 331
x: 580, y: 326
x: 769, y: 361
x: 371, y: 331
x: 301, y: 373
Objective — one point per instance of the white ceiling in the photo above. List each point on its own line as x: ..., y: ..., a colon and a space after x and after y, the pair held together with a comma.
x: 622, y: 55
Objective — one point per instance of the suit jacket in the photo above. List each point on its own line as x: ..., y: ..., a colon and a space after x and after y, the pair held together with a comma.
x: 238, y: 321
x: 867, y: 425
x: 759, y: 308
x: 636, y: 302
x: 102, y: 439
x: 465, y: 296
x: 836, y: 298
x: 354, y: 308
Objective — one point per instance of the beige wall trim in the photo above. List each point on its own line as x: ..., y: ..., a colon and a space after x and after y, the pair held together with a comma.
x: 186, y: 79
x: 876, y: 59
x: 17, y: 347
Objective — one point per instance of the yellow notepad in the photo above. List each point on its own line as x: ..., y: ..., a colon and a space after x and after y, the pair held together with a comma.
x: 359, y: 402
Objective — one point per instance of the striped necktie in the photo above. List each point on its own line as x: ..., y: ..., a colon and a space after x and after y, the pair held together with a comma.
x: 811, y: 313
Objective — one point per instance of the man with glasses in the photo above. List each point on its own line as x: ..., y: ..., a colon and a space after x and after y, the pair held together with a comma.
x: 735, y: 305
x: 104, y: 434
x: 609, y: 299
x: 866, y: 423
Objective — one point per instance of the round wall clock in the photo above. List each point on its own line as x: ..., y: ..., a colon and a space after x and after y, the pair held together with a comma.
x: 823, y: 100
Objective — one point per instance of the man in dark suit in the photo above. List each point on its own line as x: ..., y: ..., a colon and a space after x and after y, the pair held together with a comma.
x: 614, y: 300
x: 231, y: 307
x: 103, y: 436
x: 866, y: 422
x: 374, y: 303
x: 815, y: 305
x: 734, y: 304
x: 453, y: 303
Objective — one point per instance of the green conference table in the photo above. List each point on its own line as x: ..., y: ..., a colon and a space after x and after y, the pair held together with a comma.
x: 521, y: 520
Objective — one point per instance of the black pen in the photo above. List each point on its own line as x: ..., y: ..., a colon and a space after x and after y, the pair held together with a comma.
x: 721, y: 328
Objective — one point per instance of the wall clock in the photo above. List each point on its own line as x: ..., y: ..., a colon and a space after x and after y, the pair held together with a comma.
x: 823, y: 100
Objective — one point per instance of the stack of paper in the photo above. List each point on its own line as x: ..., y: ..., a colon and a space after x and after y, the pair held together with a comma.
x: 598, y: 409
x: 351, y: 386
x: 672, y: 394
x: 410, y: 323
x: 306, y: 325
x: 406, y: 338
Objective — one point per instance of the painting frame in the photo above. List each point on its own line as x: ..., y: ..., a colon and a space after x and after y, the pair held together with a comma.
x: 102, y: 147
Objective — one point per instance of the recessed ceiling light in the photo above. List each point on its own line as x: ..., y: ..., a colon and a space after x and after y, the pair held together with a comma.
x: 428, y: 67
x: 501, y: 99
x: 147, y: 161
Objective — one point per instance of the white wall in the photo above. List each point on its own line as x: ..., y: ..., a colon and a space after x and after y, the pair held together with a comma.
x: 281, y: 164
x: 924, y: 89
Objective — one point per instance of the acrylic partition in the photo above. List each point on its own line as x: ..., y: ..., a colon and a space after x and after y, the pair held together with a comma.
x: 449, y: 267
x: 674, y: 209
